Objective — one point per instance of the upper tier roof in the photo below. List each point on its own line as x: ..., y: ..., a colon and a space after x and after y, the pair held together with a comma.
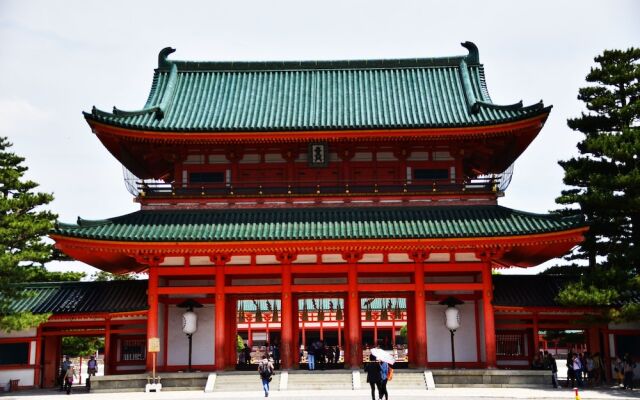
x: 237, y: 225
x: 189, y: 96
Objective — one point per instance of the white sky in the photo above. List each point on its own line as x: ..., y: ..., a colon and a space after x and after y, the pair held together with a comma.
x: 58, y: 58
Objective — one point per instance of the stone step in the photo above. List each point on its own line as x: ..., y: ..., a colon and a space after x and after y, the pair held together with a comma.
x: 320, y: 381
x: 242, y: 382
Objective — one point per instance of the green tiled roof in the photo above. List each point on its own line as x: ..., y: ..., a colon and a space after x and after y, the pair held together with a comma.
x: 83, y: 297
x: 317, y: 224
x: 320, y: 95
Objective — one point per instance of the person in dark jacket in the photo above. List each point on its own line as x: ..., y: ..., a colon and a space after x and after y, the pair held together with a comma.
x: 550, y: 364
x: 374, y: 375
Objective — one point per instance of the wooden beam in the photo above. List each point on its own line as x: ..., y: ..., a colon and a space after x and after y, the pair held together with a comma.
x: 187, y: 271
x: 253, y: 289
x: 386, y: 287
x: 186, y: 290
x: 454, y: 286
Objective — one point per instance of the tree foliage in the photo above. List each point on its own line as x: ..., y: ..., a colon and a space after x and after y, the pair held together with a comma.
x: 102, y: 276
x: 604, y: 182
x: 74, y: 346
x: 23, y: 225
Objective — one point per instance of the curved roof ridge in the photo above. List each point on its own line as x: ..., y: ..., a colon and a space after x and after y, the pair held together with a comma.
x: 158, y: 109
x: 452, y: 61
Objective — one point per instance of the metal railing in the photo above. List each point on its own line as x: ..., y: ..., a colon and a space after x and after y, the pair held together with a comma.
x: 315, y: 188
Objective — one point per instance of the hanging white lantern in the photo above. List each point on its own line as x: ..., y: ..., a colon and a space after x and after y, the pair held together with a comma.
x: 452, y: 318
x: 189, y: 322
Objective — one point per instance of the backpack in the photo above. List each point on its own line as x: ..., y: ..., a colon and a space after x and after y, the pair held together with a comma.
x: 264, y: 370
x: 390, y: 373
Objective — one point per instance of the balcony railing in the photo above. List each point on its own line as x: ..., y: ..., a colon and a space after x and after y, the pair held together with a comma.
x: 315, y: 188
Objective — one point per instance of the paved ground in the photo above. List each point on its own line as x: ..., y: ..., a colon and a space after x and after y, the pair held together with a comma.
x: 442, y: 393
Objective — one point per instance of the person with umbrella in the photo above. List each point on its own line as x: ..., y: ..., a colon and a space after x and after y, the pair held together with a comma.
x: 386, y: 371
x: 374, y: 376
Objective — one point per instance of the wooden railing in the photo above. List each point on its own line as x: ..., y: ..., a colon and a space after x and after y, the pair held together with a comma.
x: 315, y: 188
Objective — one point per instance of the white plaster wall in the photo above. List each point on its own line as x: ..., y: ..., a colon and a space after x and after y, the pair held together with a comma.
x: 25, y: 375
x: 178, y: 346
x: 32, y: 353
x: 439, y: 338
x: 627, y: 325
x: 513, y: 363
x: 483, y: 351
x: 18, y: 334
x: 160, y: 357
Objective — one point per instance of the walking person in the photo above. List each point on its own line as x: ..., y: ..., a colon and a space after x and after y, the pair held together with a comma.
x: 68, y: 377
x: 92, y: 370
x: 63, y: 371
x: 385, y: 374
x: 628, y: 367
x: 571, y: 376
x: 311, y: 356
x: 618, y: 369
x: 374, y: 375
x: 550, y: 364
x: 577, y: 369
x: 265, y: 370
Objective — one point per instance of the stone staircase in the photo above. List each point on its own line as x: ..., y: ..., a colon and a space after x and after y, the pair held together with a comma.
x: 242, y: 382
x: 136, y: 382
x: 402, y: 379
x: 320, y: 380
x: 296, y: 380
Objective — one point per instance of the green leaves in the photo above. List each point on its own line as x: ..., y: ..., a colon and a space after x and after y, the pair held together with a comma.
x: 23, y: 225
x: 604, y: 186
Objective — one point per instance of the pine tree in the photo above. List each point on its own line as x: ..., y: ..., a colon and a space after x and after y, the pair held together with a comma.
x: 23, y: 224
x: 605, y: 185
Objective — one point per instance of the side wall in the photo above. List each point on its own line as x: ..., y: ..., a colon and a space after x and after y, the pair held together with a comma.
x: 24, y: 372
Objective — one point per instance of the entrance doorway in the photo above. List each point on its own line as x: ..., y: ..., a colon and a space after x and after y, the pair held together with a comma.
x: 321, y: 332
x: 383, y: 320
x: 258, y: 327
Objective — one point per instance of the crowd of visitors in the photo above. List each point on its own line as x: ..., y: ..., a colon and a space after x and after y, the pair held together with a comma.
x: 586, y: 369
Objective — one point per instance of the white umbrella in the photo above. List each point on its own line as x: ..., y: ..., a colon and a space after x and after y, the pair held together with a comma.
x: 383, y: 355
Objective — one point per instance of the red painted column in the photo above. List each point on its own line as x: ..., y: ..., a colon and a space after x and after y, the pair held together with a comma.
x: 37, y: 364
x: 354, y: 332
x: 489, y: 317
x: 536, y: 337
x: 606, y: 357
x: 420, y: 316
x: 286, y: 330
x: 232, y: 331
x: 295, y: 329
x: 107, y: 346
x: 220, y: 339
x: 152, y: 315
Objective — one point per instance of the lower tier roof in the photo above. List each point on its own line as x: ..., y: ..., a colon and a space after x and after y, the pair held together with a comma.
x: 128, y: 296
x: 317, y: 223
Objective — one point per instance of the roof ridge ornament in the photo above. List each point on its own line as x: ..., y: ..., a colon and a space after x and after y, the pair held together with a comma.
x: 474, y: 55
x: 163, y: 62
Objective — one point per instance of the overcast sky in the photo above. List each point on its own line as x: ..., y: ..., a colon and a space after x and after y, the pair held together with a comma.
x: 58, y: 58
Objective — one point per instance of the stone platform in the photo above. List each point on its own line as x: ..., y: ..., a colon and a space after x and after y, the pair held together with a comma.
x: 320, y: 380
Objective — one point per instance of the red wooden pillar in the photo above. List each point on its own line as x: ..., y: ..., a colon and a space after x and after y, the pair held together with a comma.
x: 489, y: 317
x: 37, y: 364
x: 411, y: 334
x: 286, y: 321
x: 232, y: 331
x: 606, y: 357
x: 295, y: 329
x: 220, y: 339
x: 419, y: 353
x: 354, y: 331
x: 594, y: 340
x: 107, y: 346
x: 152, y: 314
x: 536, y: 337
